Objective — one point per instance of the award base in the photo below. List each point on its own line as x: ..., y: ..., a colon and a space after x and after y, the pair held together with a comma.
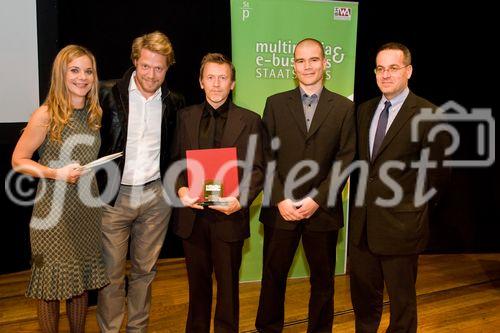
x: 212, y: 203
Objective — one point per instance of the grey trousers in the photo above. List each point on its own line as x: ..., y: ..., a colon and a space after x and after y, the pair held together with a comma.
x: 140, y: 216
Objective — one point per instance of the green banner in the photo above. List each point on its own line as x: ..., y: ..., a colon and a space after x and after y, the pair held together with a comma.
x: 264, y: 35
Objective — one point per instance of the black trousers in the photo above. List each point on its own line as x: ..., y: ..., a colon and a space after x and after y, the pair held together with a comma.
x: 368, y: 273
x: 205, y: 253
x: 279, y: 250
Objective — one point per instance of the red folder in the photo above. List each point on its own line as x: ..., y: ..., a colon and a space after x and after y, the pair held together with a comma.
x: 220, y: 165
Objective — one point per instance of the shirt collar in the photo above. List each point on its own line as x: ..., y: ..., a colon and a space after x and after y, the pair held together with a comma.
x: 221, y: 111
x: 399, y: 99
x: 303, y: 94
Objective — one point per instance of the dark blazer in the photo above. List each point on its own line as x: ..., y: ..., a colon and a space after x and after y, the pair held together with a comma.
x: 331, y: 138
x: 404, y: 228
x: 240, y: 124
x: 113, y: 98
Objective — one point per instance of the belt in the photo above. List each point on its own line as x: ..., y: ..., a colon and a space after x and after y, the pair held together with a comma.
x: 143, y: 185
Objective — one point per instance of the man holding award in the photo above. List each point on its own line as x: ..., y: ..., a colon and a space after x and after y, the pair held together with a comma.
x: 215, y: 220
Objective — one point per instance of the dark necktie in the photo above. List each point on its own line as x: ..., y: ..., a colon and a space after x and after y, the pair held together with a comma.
x: 381, y: 127
x: 207, y: 133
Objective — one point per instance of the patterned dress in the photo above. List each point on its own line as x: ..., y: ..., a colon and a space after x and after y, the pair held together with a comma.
x: 65, y: 229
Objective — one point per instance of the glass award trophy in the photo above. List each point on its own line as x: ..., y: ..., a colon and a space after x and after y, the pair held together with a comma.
x: 213, y: 191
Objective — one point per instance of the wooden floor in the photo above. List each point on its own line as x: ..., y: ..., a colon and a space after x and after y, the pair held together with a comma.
x: 456, y: 293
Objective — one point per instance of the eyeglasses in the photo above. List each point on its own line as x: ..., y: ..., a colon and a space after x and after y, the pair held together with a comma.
x: 391, y: 69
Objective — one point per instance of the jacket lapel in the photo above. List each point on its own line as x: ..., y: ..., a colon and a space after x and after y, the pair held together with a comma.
x: 294, y: 104
x: 234, y: 126
x: 122, y: 97
x: 406, y: 112
x: 366, y: 118
x: 193, y: 126
x: 325, y: 104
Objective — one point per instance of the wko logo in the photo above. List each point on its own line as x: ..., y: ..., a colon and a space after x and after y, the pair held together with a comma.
x: 342, y: 13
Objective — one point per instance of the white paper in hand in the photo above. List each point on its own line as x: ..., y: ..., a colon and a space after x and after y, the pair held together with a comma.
x: 102, y: 160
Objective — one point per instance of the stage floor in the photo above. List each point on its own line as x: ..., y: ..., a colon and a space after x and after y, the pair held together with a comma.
x: 456, y: 293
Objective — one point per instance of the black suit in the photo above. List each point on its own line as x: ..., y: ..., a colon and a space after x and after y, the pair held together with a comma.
x: 331, y: 138
x: 213, y: 240
x: 385, y: 241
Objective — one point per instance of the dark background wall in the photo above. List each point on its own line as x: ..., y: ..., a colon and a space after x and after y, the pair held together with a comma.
x: 452, y: 59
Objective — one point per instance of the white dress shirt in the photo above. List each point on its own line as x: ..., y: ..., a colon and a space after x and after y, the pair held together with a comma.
x: 142, y: 158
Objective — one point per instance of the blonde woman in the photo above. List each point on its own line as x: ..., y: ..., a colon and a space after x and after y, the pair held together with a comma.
x: 65, y: 225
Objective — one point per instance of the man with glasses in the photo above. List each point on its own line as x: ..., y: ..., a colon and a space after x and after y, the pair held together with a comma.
x: 387, y: 238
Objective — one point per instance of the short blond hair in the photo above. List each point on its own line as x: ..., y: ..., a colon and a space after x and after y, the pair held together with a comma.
x: 156, y: 42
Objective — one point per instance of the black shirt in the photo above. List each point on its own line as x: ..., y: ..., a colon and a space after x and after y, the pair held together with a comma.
x: 212, y: 128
